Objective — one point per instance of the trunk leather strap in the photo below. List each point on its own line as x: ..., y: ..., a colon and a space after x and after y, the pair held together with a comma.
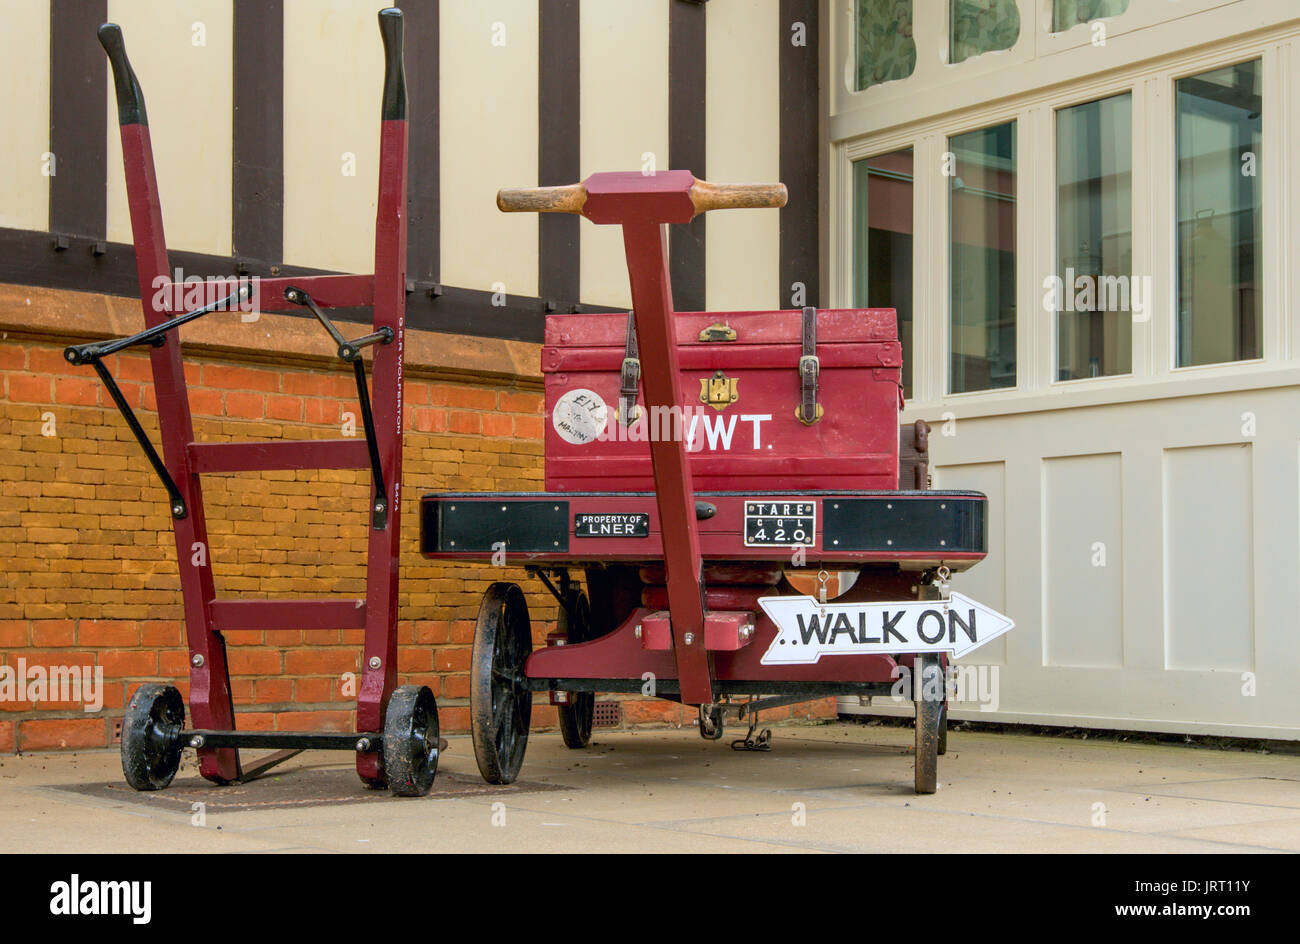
x: 629, y: 376
x: 809, y: 411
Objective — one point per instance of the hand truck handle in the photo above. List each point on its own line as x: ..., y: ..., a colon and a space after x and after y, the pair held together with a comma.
x: 705, y: 196
x: 390, y: 28
x: 130, y: 98
x: 570, y: 198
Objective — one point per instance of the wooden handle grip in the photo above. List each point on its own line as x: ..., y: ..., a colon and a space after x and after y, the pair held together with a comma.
x: 706, y: 196
x: 567, y: 199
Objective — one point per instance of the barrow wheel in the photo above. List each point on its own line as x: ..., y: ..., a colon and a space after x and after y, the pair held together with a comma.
x: 411, y: 740
x: 151, y: 741
x: 500, y: 702
x: 929, y: 708
x: 577, y: 715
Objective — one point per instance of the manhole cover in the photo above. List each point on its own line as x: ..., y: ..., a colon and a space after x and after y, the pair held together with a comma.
x: 291, y: 789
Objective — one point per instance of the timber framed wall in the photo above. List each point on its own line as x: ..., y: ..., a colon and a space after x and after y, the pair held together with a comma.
x: 265, y: 127
x: 265, y: 120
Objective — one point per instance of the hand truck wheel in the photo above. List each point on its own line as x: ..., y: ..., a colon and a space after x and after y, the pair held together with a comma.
x: 411, y: 740
x: 576, y: 716
x: 929, y: 708
x: 151, y: 736
x: 500, y: 701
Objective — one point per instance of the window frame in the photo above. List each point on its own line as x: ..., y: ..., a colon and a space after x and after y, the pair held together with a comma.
x: 1054, y: 368
x: 1018, y: 291
x: 1151, y: 85
x: 1268, y: 285
x: 1025, y: 29
x: 909, y: 354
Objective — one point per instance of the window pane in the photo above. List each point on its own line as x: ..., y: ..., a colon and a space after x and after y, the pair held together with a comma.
x: 882, y: 242
x: 1097, y: 292
x: 982, y: 259
x: 1067, y: 13
x: 1220, y: 282
x: 885, y: 50
x: 983, y: 26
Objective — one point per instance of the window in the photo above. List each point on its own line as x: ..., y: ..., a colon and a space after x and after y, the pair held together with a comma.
x: 1068, y: 13
x: 982, y: 258
x: 979, y: 26
x: 1096, y: 293
x: 882, y: 242
x: 884, y: 49
x: 1220, y: 278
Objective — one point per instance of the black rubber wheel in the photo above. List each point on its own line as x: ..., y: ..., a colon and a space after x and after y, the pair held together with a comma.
x: 411, y: 740
x: 928, y: 711
x: 500, y: 702
x: 942, y: 747
x: 577, y: 715
x: 151, y: 736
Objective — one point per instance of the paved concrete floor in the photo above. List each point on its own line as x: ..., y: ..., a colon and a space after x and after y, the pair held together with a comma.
x: 833, y: 787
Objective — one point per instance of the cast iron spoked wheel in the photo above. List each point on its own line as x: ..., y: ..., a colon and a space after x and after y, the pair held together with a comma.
x: 928, y: 711
x: 151, y: 742
x: 411, y: 740
x: 576, y: 716
x: 500, y: 702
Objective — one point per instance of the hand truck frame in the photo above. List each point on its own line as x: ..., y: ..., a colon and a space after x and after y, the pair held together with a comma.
x: 396, y: 742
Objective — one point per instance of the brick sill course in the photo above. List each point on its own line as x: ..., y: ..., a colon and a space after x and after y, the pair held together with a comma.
x: 29, y: 312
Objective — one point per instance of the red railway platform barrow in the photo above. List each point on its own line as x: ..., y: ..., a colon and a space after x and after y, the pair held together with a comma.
x: 698, y: 466
x: 397, y: 742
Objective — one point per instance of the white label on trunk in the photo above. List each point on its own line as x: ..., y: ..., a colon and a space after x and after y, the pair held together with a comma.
x: 580, y: 416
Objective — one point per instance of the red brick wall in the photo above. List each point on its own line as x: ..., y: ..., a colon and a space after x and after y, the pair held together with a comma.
x: 88, y: 572
x: 88, y: 561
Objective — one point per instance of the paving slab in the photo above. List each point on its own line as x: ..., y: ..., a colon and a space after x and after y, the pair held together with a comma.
x: 824, y: 788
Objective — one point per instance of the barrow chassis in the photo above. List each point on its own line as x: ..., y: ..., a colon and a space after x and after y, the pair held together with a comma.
x: 686, y: 625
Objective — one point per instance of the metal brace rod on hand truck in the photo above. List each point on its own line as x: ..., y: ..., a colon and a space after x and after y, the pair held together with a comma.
x: 350, y: 352
x: 94, y: 353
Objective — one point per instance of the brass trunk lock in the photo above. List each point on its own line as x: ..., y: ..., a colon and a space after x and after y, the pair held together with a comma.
x: 719, y: 391
x: 718, y: 332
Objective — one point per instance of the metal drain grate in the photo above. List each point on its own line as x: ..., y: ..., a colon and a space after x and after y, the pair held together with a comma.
x: 609, y: 714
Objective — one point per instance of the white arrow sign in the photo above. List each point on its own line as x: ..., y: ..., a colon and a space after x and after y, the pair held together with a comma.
x: 808, y: 630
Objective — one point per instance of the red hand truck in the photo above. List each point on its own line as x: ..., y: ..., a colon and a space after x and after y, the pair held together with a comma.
x: 397, y: 743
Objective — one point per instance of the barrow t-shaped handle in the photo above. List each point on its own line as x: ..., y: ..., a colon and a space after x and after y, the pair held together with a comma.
x: 704, y: 196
